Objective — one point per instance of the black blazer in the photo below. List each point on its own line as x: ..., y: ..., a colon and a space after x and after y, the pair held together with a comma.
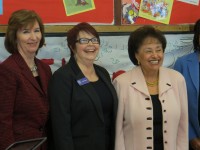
x: 76, y: 112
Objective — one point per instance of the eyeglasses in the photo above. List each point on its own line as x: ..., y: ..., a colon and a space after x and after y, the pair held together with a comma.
x: 86, y: 40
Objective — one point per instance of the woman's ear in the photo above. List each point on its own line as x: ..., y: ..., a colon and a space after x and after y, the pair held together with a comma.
x: 137, y: 57
x: 72, y: 49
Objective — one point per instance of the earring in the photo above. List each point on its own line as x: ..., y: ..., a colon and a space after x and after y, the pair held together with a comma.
x: 138, y: 62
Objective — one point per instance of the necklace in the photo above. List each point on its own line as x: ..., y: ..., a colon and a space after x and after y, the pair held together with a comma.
x: 152, y: 84
x: 34, y: 68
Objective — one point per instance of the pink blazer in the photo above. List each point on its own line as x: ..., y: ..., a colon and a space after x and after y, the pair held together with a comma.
x: 135, y: 111
x: 24, y: 104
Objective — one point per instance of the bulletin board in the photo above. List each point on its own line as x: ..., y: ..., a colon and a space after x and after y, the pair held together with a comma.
x: 106, y: 16
x: 55, y: 12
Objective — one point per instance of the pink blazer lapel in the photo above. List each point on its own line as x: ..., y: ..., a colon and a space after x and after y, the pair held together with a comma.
x: 164, y: 80
x: 138, y: 81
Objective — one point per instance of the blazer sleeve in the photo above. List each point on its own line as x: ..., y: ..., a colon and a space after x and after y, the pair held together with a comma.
x: 60, y: 98
x: 179, y: 67
x: 182, y: 137
x: 8, y: 88
x: 119, y: 138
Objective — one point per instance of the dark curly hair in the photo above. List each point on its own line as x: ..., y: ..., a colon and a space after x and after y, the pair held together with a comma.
x: 137, y: 38
x: 196, y: 37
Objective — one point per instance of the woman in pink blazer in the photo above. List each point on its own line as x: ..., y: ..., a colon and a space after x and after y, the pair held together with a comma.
x: 24, y: 79
x: 152, y: 112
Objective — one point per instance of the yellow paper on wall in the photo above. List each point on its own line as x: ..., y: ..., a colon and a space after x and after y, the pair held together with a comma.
x: 156, y: 10
x: 73, y: 7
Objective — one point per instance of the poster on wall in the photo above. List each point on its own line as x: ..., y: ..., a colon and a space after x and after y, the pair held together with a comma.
x: 155, y: 12
x: 130, y: 11
x: 1, y: 7
x: 64, y: 11
x: 193, y: 2
x: 77, y: 7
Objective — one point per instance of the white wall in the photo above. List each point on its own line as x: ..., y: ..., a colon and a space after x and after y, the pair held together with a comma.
x: 113, y: 53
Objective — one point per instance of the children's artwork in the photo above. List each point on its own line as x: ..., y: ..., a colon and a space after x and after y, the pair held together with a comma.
x: 1, y: 7
x: 73, y: 7
x: 193, y: 2
x: 130, y: 10
x: 156, y: 10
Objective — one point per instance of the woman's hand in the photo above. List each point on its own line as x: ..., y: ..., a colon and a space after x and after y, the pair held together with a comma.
x: 195, y: 143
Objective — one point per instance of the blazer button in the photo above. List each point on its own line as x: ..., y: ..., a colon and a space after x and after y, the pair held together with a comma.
x: 165, y: 121
x: 41, y: 128
x: 165, y: 131
x: 168, y: 84
x: 42, y: 113
x: 148, y: 128
x: 149, y: 118
x: 148, y: 108
x: 165, y: 142
x: 164, y: 110
x: 149, y: 147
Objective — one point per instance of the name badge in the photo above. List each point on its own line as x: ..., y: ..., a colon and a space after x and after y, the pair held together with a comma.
x: 83, y: 81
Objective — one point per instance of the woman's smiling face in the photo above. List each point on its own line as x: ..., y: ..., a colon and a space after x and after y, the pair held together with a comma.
x: 150, y: 54
x: 28, y: 39
x: 86, y: 52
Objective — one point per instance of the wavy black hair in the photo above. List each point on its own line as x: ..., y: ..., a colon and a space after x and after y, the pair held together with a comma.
x: 196, y: 38
x: 137, y: 38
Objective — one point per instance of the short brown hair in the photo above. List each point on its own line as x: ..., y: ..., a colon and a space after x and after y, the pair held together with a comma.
x: 18, y: 19
x: 74, y: 32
